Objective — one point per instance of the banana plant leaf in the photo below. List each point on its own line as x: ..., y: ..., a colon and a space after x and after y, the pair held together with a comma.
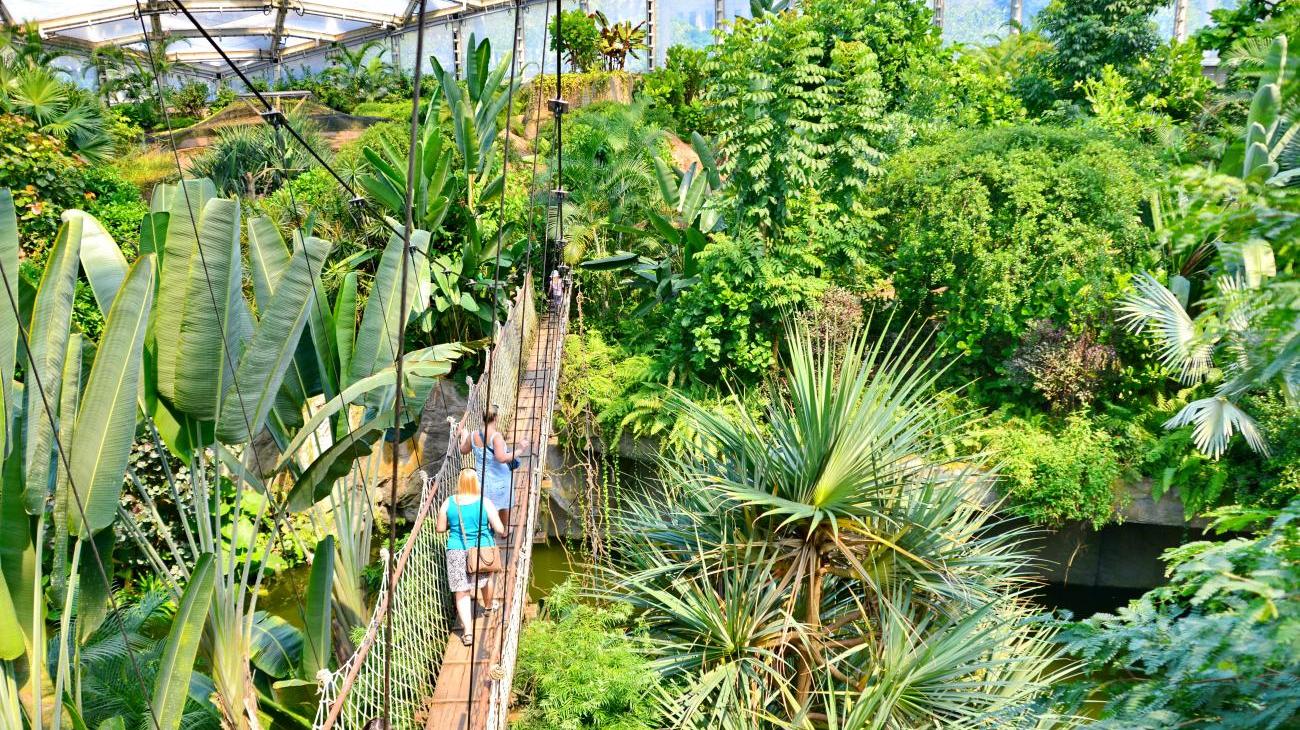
x: 101, y: 442
x: 184, y: 203
x: 269, y: 354
x: 47, y: 338
x: 8, y: 317
x: 101, y: 259
x: 381, y: 322
x: 316, y: 481
x: 172, y: 686
x: 316, y: 650
x: 212, y: 327
x: 276, y: 646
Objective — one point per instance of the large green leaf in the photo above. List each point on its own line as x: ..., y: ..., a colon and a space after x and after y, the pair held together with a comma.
x: 316, y: 481
x: 267, y: 257
x: 316, y: 652
x: 17, y: 556
x: 8, y: 318
x: 153, y: 235
x: 11, y: 631
x: 276, y: 645
x: 174, y: 270
x: 428, y: 362
x: 101, y: 259
x: 101, y: 441
x: 214, y: 313
x: 14, y: 541
x: 48, y: 344
x: 172, y: 686
x: 381, y: 323
x: 345, y: 325
x: 92, y: 591
x: 269, y: 354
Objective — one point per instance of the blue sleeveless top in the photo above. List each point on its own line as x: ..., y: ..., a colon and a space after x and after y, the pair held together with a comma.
x: 496, y: 482
x: 477, y: 531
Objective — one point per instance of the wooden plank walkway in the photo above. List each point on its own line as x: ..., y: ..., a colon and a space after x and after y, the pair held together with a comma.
x: 468, y: 689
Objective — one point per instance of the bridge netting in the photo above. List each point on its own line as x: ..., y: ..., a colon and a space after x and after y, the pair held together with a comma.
x: 418, y: 600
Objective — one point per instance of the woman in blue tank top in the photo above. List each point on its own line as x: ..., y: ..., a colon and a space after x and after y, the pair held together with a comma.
x: 470, y: 520
x: 493, y: 467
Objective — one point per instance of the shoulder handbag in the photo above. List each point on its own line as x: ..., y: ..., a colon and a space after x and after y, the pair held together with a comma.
x: 477, y: 559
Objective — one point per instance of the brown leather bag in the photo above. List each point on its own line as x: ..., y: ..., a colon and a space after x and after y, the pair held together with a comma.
x: 480, y: 559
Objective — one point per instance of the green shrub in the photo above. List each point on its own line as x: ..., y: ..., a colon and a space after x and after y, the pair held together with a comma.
x: 45, y: 179
x: 579, y: 39
x: 723, y: 329
x: 190, y: 100
x: 676, y: 88
x: 595, y: 384
x: 1088, y: 35
x: 1053, y: 477
x: 1216, y: 648
x: 825, y: 130
x: 579, y: 668
x: 991, y: 230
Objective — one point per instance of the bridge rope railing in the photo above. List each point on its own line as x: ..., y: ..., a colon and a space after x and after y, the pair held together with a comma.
x: 418, y: 600
x: 553, y: 354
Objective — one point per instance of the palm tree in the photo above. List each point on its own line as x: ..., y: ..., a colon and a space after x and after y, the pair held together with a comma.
x: 831, y: 565
x: 58, y: 109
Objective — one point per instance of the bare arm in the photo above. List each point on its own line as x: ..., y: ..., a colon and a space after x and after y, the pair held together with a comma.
x: 465, y: 445
x: 494, y: 518
x: 501, y: 451
x: 442, y: 515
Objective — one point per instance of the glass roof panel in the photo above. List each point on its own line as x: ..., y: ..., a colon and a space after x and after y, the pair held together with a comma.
x: 101, y: 31
x: 45, y: 10
x: 316, y: 24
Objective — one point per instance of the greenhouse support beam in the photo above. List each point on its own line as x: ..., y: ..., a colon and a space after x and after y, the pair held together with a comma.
x: 223, y: 33
x: 277, y: 32
x: 1180, y: 20
x: 1016, y: 15
x: 361, y: 35
x: 5, y: 16
x: 127, y: 12
x: 651, y: 31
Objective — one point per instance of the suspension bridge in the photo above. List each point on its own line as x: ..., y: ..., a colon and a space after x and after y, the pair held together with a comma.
x: 436, y: 681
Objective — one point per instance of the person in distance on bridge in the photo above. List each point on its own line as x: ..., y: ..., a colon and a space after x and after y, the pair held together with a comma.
x: 493, y: 471
x: 465, y: 516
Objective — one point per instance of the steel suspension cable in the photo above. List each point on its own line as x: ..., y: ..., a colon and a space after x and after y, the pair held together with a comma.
x: 519, y: 366
x: 81, y: 509
x: 401, y: 352
x: 491, y: 363
x: 269, y: 109
x: 277, y: 514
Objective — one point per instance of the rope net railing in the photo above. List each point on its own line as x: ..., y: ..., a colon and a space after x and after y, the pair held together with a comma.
x: 418, y: 601
x: 553, y: 344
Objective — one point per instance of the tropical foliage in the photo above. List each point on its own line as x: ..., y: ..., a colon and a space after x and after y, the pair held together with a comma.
x: 831, y: 561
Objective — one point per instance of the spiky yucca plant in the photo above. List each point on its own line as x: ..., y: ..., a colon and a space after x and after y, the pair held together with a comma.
x: 831, y: 565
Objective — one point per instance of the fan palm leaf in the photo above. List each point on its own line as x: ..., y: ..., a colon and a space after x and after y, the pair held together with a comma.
x: 1154, y: 309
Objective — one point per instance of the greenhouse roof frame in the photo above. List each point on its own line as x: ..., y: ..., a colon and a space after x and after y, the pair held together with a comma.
x: 253, y: 33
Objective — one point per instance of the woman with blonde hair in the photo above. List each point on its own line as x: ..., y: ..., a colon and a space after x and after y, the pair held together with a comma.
x: 466, y: 516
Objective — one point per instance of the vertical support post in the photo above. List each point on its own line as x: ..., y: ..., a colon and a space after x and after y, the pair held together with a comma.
x: 1016, y: 16
x: 719, y: 13
x: 455, y: 48
x: 652, y: 31
x: 1180, y: 20
x: 938, y: 13
x: 518, y: 52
